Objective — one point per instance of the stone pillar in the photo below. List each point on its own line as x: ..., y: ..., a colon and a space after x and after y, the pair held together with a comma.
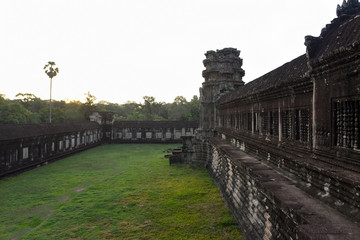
x: 223, y: 74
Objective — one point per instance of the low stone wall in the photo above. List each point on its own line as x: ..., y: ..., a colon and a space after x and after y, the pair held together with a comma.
x: 270, y: 205
x: 151, y: 131
x: 320, y: 176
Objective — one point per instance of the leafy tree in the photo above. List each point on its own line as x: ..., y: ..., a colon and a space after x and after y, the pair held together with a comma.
x: 163, y: 112
x: 51, y: 72
x: 148, y: 107
x: 28, y: 108
x: 178, y: 109
x: 26, y: 97
x: 73, y: 111
x: 31, y: 102
x: 128, y: 108
x: 13, y: 113
x: 89, y: 105
x: 104, y: 106
x: 193, y: 112
x: 136, y: 116
x: 2, y: 99
x: 152, y: 110
x: 58, y: 115
x: 34, y: 117
x: 180, y: 100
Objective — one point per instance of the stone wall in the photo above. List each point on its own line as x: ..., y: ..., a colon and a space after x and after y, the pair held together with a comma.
x: 335, y: 186
x: 27, y: 146
x: 24, y: 147
x: 151, y: 131
x: 270, y: 205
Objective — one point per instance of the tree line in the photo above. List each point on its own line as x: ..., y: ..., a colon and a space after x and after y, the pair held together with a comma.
x: 28, y: 108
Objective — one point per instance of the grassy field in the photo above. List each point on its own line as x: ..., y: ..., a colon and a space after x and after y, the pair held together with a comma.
x: 124, y: 191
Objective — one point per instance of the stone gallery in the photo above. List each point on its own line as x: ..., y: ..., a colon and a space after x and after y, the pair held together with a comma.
x: 284, y: 149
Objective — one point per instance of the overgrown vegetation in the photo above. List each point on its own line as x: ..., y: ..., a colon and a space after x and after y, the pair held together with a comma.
x: 28, y: 108
x: 114, y: 192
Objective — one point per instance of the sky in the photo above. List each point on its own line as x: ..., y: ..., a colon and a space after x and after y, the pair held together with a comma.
x: 122, y: 50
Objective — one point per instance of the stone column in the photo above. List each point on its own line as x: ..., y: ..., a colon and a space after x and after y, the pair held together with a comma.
x: 223, y: 74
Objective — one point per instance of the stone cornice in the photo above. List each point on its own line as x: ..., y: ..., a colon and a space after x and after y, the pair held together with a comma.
x: 338, y: 60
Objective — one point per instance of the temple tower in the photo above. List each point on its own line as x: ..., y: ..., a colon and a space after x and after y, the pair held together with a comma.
x: 223, y: 74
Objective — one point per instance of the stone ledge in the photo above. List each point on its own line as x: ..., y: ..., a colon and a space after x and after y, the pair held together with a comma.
x: 311, y: 173
x: 308, y: 213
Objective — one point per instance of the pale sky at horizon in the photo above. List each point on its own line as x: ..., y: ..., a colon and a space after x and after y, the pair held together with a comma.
x: 122, y: 50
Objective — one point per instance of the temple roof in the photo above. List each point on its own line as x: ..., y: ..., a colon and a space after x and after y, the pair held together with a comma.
x: 342, y: 34
x: 17, y: 131
x: 349, y: 7
x: 288, y: 73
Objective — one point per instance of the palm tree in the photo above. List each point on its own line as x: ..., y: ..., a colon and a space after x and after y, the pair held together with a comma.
x: 51, y: 72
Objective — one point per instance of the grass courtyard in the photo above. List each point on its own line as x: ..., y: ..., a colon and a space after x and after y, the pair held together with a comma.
x: 126, y: 191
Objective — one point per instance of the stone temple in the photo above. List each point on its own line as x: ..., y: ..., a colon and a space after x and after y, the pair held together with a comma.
x: 284, y: 149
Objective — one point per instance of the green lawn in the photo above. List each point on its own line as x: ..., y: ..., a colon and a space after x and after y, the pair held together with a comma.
x: 122, y: 191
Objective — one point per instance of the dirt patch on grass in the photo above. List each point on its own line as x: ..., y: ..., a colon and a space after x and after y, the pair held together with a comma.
x: 79, y: 189
x: 64, y: 199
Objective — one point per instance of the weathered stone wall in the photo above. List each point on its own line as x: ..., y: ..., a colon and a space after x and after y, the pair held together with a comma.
x: 334, y: 61
x: 24, y: 147
x: 151, y: 131
x: 335, y: 186
x: 223, y: 74
x: 193, y: 150
x: 270, y: 205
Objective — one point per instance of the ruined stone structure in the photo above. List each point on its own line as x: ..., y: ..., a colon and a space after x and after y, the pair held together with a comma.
x: 223, y: 74
x: 24, y: 147
x: 284, y: 148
